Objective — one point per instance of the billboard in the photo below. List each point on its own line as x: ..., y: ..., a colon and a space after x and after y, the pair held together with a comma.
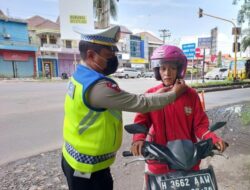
x: 75, y: 15
x: 214, y: 36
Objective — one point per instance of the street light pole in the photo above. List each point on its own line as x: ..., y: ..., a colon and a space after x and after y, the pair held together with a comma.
x: 201, y: 13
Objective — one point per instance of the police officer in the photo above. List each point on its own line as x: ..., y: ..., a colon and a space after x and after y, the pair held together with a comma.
x: 93, y: 119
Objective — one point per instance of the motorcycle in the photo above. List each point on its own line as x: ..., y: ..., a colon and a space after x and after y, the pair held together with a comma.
x: 181, y: 156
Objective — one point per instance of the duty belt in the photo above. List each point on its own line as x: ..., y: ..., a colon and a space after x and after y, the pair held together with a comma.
x: 87, y: 159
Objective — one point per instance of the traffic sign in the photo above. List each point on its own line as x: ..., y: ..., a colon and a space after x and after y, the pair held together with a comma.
x: 189, y: 50
x: 198, y: 53
x: 205, y: 42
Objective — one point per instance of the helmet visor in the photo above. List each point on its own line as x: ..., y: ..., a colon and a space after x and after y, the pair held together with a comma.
x: 158, y: 62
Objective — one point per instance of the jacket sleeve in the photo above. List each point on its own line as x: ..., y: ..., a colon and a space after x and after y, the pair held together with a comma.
x: 116, y: 98
x: 201, y: 122
x: 143, y: 119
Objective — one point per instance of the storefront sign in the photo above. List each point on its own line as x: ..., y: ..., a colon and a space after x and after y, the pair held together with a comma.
x: 15, y: 56
x: 138, y: 60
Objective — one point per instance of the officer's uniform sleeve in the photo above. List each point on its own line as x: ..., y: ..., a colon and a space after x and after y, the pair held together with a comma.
x: 106, y: 94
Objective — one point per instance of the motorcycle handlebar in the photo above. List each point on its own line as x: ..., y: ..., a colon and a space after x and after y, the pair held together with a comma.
x: 215, y: 148
x: 127, y: 153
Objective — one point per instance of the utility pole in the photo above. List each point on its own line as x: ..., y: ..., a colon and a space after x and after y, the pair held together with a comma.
x: 165, y: 33
x: 201, y: 14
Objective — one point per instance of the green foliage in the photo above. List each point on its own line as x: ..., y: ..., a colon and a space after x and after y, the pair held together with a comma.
x: 193, y: 71
x: 98, y: 4
x: 212, y: 83
x: 245, y: 42
x: 245, y: 116
x: 244, y: 17
x: 243, y: 14
x: 219, y: 61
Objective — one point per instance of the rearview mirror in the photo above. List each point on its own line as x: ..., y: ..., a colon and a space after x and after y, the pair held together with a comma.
x: 217, y: 125
x: 136, y: 128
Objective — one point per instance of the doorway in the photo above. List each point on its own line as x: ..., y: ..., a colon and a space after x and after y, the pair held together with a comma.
x: 47, y: 70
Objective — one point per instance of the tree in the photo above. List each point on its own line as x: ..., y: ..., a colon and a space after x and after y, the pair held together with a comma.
x: 103, y: 9
x: 245, y: 42
x: 244, y: 17
x: 219, y: 61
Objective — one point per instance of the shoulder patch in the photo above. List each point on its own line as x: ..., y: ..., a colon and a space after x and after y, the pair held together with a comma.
x: 71, y: 90
x: 113, y: 86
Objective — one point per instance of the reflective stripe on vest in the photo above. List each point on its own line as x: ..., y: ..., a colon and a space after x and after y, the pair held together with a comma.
x: 87, y: 159
x: 88, y: 124
x: 116, y: 114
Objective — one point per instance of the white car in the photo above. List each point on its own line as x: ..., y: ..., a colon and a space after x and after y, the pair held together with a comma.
x: 149, y: 74
x: 217, y: 74
x: 127, y: 73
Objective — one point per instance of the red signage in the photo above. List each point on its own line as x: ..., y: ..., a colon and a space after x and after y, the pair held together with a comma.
x: 198, y: 53
x: 15, y: 56
x: 213, y: 57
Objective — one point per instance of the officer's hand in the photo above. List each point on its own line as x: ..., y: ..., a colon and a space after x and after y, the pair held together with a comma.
x: 136, y: 147
x: 221, y: 146
x: 179, y: 87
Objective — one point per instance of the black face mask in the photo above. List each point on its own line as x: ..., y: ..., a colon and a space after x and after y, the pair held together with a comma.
x: 112, y: 65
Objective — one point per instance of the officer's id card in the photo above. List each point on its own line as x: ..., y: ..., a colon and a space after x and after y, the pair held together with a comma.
x: 71, y: 89
x: 82, y: 175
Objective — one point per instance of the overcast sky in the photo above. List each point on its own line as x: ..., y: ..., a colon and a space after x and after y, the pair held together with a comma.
x: 180, y: 17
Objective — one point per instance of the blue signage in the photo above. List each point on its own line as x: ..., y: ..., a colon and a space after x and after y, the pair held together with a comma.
x: 205, y: 42
x: 189, y: 50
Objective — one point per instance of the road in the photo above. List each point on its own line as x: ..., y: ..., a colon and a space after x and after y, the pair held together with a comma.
x: 31, y: 113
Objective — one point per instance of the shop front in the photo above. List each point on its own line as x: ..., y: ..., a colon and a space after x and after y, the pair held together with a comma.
x: 67, y: 63
x: 17, y: 64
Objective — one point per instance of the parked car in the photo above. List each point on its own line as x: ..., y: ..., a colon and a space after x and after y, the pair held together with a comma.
x: 217, y: 74
x: 149, y: 74
x: 127, y: 73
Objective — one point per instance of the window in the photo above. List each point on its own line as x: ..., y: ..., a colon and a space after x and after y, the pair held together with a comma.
x: 135, y: 48
x: 52, y: 39
x: 43, y: 40
x: 68, y: 44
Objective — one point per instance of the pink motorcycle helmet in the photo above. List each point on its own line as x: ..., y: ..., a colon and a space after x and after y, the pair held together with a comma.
x: 169, y: 53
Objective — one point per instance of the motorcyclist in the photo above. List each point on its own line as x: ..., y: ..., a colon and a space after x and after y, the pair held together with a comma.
x: 182, y: 119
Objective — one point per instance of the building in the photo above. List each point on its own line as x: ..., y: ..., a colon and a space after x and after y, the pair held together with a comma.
x: 46, y: 34
x: 17, y: 55
x: 136, y: 49
x: 152, y: 43
x: 124, y: 48
x: 55, y: 56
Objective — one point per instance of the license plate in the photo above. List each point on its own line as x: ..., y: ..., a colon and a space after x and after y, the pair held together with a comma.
x: 190, y: 182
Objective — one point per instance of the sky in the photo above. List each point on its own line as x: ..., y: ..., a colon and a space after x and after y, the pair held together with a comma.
x: 180, y: 17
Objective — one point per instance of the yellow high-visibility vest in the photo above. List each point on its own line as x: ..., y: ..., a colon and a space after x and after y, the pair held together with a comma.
x: 92, y: 136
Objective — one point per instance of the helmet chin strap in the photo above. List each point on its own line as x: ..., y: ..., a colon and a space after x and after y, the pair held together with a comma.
x: 168, y: 86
